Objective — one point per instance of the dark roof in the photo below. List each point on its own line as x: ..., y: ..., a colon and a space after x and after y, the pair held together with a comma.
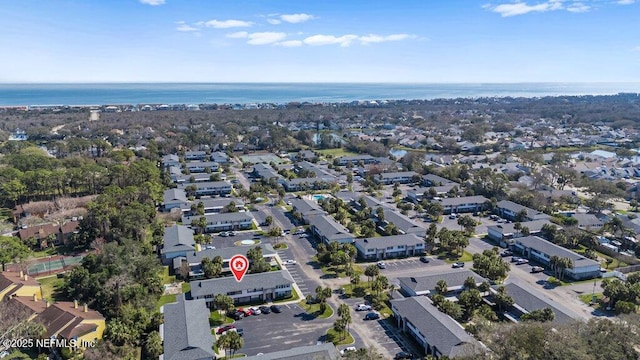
x: 64, y: 319
x: 439, y: 329
x: 178, y: 238
x: 38, y: 231
x: 384, y: 241
x: 186, y: 331
x: 325, y: 351
x: 266, y: 280
x: 453, y: 277
x: 529, y: 299
x: 552, y: 249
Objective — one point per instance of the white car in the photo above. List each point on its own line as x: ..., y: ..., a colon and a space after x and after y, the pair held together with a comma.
x: 224, y: 234
x: 363, y: 307
x: 256, y: 310
x: 348, y: 349
x: 382, y: 265
x: 289, y: 262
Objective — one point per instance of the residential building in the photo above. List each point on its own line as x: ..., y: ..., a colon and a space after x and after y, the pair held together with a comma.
x: 588, y: 221
x: 435, y: 331
x: 355, y: 159
x: 265, y: 172
x: 510, y: 210
x: 435, y: 180
x: 389, y: 247
x: 174, y: 198
x: 328, y: 230
x: 266, y: 286
x: 527, y: 299
x: 44, y: 234
x: 194, y: 178
x: 219, y: 157
x: 194, y: 259
x: 504, y: 234
x: 178, y: 241
x: 315, y: 183
x: 18, y: 284
x: 208, y: 188
x: 541, y: 250
x: 426, y: 285
x: 186, y: 333
x: 202, y: 166
x: 306, y: 208
x: 195, y: 155
x: 170, y: 160
x: 402, y: 223
x: 418, y: 194
x: 403, y: 177
x: 214, y: 205
x: 324, y: 351
x: 69, y: 321
x: 223, y: 221
x: 463, y: 204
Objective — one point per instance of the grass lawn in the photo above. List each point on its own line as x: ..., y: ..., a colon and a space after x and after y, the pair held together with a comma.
x: 337, y: 340
x: 280, y: 246
x: 50, y: 288
x: 335, y: 153
x: 52, y: 250
x: 165, y: 299
x: 166, y: 278
x: 586, y: 298
x: 314, y: 309
x: 186, y: 287
x: 216, y: 319
x: 294, y: 296
x: 466, y: 257
x: 336, y: 271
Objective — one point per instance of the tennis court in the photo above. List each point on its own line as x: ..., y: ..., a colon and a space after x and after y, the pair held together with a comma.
x: 262, y: 158
x: 53, y: 264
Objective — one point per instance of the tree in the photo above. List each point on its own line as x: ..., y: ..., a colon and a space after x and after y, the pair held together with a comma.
x: 340, y: 325
x: 371, y: 271
x: 490, y: 265
x: 231, y: 341
x: 468, y: 224
x: 441, y: 287
x: 13, y: 190
x: 257, y: 263
x: 503, y: 300
x: 12, y: 249
x: 212, y: 267
x: 540, y: 315
x: 470, y: 300
x: 470, y: 283
x: 625, y: 307
x: 153, y: 345
x: 223, y: 303
x: 322, y: 294
x: 268, y: 220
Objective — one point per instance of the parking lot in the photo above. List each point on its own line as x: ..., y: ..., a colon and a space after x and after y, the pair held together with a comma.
x: 306, y: 285
x: 275, y: 332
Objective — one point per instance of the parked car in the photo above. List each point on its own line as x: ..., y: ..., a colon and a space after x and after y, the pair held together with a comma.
x: 235, y: 315
x: 240, y: 332
x: 232, y: 233
x: 348, y: 349
x: 458, y: 264
x: 516, y: 259
x: 381, y: 265
x: 403, y: 355
x: 299, y: 232
x: 289, y: 262
x: 522, y: 262
x: 276, y: 309
x: 424, y: 259
x: 265, y: 309
x: 372, y: 316
x: 256, y: 311
x: 537, y: 269
x: 506, y: 253
x: 247, y: 312
x: 222, y: 329
x: 363, y: 307
x: 453, y: 216
x: 224, y: 234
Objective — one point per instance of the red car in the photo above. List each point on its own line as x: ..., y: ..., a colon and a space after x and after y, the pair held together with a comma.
x: 222, y: 329
x: 247, y: 312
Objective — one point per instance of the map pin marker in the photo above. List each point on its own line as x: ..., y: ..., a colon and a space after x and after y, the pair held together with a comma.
x: 239, y: 265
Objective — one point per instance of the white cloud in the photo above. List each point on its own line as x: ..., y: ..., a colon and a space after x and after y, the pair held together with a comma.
x: 625, y: 2
x: 184, y: 27
x: 273, y: 21
x: 226, y: 24
x: 521, y: 8
x: 265, y: 38
x: 238, y: 35
x: 344, y: 40
x: 152, y: 2
x: 290, y: 43
x: 296, y: 18
x: 578, y: 7
x: 371, y: 38
x: 637, y: 48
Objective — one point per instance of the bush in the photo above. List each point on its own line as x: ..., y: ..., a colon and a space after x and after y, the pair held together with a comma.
x: 625, y: 307
x: 553, y: 281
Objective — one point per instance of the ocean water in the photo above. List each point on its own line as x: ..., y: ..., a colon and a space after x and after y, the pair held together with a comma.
x: 243, y: 93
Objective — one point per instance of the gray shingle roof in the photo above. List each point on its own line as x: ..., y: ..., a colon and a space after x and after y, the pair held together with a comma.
x: 265, y: 280
x: 402, y: 222
x: 552, y: 249
x: 530, y: 300
x: 588, y: 220
x: 307, y: 207
x: 508, y: 228
x: 434, y: 180
x: 219, y: 217
x: 453, y: 277
x: 457, y: 201
x: 326, y: 351
x: 227, y: 253
x: 178, y: 238
x: 187, y: 335
x: 384, y: 241
x: 392, y: 175
x: 329, y: 228
x: 516, y: 208
x: 439, y: 329
x: 171, y: 195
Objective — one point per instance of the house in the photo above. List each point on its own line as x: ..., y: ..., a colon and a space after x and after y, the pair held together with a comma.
x: 223, y: 221
x: 170, y: 160
x: 178, y: 241
x: 174, y: 198
x: 527, y: 299
x: 260, y: 287
x: 194, y: 178
x: 418, y: 194
x: 328, y: 230
x: 186, y: 333
x: 355, y: 159
x: 403, y: 177
x: 389, y: 247
x: 68, y: 321
x: 18, y: 284
x: 463, y: 204
x: 426, y: 285
x: 435, y: 331
x: 588, y: 221
x: 510, y: 210
x: 264, y: 172
x: 402, y: 223
x: 202, y: 166
x: 540, y: 250
x: 213, y: 205
x: 207, y: 188
x: 44, y: 234
x: 323, y: 351
x: 435, y: 180
x: 219, y: 157
x: 504, y: 234
x: 314, y: 183
x: 195, y: 155
x: 194, y: 258
x: 306, y: 208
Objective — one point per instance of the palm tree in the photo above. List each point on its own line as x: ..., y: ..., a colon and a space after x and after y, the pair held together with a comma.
x: 442, y: 287
x: 615, y: 226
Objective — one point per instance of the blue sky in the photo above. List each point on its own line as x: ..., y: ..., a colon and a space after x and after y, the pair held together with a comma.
x: 423, y: 41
